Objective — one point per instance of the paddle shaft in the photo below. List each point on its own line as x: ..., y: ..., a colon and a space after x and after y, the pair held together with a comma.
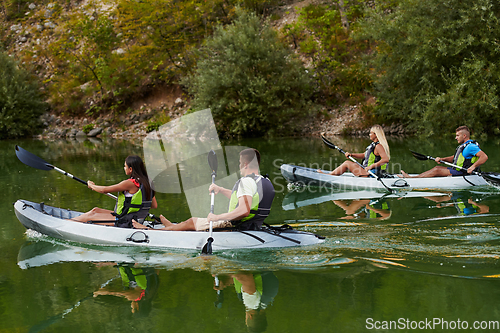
x: 79, y: 180
x: 212, y: 162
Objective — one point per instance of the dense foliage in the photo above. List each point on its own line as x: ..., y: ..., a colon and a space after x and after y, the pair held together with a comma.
x: 253, y: 84
x: 437, y: 64
x: 321, y: 34
x: 20, y: 101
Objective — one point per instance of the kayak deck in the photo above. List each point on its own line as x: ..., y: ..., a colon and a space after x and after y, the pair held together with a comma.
x: 52, y: 221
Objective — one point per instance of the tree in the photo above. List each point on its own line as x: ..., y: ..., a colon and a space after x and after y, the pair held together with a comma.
x: 253, y: 84
x: 21, y: 103
x: 437, y: 64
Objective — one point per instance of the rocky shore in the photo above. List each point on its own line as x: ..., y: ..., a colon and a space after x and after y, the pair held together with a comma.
x: 342, y: 121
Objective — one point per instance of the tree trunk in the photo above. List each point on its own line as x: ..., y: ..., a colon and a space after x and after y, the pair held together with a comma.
x: 343, y: 16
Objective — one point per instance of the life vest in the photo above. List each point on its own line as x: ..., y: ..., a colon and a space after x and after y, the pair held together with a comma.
x: 371, y: 158
x: 459, y: 158
x: 259, y: 286
x: 261, y: 203
x: 465, y: 208
x: 133, y: 277
x: 377, y: 205
x: 131, y: 207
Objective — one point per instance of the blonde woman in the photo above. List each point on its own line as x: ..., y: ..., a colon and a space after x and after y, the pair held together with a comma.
x: 375, y: 158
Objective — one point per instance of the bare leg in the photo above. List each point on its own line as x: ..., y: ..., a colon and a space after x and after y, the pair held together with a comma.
x: 96, y: 214
x: 349, y: 166
x: 437, y: 171
x: 183, y: 226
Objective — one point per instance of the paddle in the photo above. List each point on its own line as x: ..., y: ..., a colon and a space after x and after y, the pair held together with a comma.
x: 38, y: 163
x: 493, y: 178
x: 332, y: 146
x: 212, y: 162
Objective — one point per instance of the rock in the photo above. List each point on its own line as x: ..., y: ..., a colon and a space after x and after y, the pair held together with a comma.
x: 95, y: 132
x: 81, y: 133
x: 72, y: 132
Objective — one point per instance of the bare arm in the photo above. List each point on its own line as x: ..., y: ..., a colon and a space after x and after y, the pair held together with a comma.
x: 243, y: 210
x: 482, y: 158
x: 219, y: 189
x: 125, y: 185
x: 379, y: 151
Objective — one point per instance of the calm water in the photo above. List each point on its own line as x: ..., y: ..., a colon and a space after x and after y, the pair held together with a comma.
x: 426, y: 261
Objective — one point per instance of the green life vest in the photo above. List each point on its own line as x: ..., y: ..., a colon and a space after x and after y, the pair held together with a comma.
x: 132, y: 277
x: 371, y: 158
x: 259, y: 286
x: 136, y: 206
x: 459, y: 158
x: 261, y: 203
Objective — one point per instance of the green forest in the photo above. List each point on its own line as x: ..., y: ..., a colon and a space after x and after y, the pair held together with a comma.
x: 428, y: 65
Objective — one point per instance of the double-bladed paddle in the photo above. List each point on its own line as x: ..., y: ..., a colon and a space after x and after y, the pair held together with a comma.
x: 333, y: 146
x: 492, y: 178
x: 212, y: 162
x: 36, y: 162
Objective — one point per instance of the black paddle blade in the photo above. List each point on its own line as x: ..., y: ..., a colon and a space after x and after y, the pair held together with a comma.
x: 492, y: 177
x: 207, y: 248
x: 32, y: 160
x: 419, y: 156
x: 331, y: 145
x: 212, y: 161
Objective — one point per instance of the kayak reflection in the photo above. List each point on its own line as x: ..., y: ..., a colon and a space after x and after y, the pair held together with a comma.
x: 256, y: 290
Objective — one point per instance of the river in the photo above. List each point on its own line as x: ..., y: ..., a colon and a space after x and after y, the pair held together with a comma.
x: 387, y: 264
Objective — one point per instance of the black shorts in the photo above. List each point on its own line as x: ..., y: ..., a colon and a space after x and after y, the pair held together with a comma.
x: 455, y: 172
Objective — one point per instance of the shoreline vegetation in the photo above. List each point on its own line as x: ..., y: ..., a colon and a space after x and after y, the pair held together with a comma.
x: 122, y: 68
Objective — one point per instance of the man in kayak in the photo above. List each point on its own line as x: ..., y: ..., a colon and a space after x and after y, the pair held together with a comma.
x: 250, y: 200
x: 467, y: 156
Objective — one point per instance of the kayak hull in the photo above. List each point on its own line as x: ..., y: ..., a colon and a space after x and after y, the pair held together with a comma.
x: 310, y: 177
x: 53, y: 222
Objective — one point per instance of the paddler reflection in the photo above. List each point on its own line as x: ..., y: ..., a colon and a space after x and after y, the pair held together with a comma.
x: 371, y: 209
x: 256, y: 290
x: 463, y: 203
x: 139, y: 285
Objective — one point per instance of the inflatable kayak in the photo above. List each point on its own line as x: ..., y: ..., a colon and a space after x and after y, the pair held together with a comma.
x: 310, y: 177
x: 53, y: 222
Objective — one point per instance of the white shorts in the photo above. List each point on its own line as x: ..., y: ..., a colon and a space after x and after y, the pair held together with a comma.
x: 202, y: 224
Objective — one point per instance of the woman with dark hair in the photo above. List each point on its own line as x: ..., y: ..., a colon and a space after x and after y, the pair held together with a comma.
x: 135, y: 197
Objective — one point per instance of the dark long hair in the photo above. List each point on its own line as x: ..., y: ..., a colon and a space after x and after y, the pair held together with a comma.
x: 139, y: 173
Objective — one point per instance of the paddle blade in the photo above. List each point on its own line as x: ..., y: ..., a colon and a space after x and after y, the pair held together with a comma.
x: 212, y: 161
x: 419, y: 156
x: 32, y: 160
x: 492, y: 177
x: 330, y: 144
x: 207, y: 248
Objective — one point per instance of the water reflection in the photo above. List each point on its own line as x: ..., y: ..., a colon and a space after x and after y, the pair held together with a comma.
x: 139, y: 286
x: 365, y: 204
x: 371, y: 209
x: 464, y: 202
x: 256, y: 290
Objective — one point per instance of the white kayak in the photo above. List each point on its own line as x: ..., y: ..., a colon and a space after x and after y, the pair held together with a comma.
x: 53, y: 222
x: 310, y: 177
